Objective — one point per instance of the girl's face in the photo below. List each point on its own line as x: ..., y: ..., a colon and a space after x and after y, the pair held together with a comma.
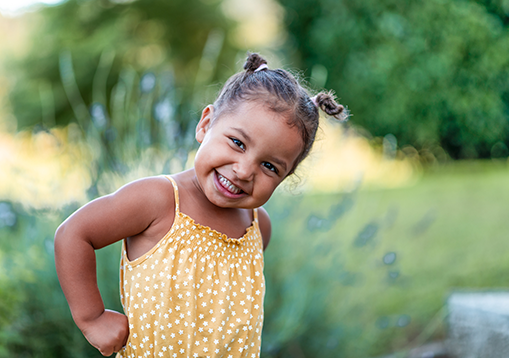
x: 244, y: 154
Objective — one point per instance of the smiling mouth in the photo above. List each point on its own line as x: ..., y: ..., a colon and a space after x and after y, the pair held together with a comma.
x: 228, y: 185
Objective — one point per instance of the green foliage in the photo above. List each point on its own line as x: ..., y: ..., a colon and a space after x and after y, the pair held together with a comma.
x: 429, y: 72
x: 181, y: 38
x: 366, y: 273
x: 35, y: 319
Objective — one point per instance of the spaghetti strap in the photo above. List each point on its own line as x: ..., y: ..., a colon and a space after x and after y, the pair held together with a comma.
x: 176, y: 192
x: 255, y: 214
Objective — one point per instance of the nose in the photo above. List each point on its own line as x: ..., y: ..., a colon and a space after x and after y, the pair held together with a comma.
x: 244, y: 170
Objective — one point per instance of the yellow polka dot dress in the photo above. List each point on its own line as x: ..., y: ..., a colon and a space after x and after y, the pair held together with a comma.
x: 197, y: 293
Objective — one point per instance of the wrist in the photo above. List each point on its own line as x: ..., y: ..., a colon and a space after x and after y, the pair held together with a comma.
x: 82, y: 319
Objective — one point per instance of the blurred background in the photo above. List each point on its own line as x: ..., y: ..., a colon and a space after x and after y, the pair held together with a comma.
x: 392, y: 211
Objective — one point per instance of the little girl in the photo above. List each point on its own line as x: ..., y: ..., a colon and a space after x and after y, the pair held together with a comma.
x: 191, y: 274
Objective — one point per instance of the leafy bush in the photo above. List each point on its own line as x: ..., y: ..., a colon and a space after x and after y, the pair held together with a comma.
x: 432, y: 73
x: 182, y: 39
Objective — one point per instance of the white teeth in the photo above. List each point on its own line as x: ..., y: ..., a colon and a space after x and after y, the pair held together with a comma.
x: 228, y: 184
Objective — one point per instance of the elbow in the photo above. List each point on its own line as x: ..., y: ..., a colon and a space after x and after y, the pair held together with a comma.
x: 63, y: 236
x: 67, y: 238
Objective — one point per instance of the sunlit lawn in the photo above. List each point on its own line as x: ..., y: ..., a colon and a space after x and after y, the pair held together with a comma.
x: 448, y: 231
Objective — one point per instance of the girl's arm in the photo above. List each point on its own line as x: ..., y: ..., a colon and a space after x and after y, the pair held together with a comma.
x: 139, y: 207
x: 265, y: 226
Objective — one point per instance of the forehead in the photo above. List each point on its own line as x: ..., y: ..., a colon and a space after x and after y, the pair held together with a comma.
x: 258, y: 96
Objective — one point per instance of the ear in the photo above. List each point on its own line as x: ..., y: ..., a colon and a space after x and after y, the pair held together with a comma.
x: 204, y: 123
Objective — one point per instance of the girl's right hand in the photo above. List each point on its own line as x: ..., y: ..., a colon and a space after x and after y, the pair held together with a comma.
x: 108, y: 332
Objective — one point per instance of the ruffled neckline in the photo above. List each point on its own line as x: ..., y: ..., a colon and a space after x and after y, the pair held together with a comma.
x: 216, y: 233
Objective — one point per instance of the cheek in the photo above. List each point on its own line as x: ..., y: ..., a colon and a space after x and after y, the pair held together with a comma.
x: 267, y: 186
x: 210, y: 156
x: 198, y: 158
x: 201, y: 162
x: 205, y: 151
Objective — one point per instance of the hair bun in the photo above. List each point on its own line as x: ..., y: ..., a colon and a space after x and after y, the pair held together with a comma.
x: 326, y: 101
x: 254, y: 61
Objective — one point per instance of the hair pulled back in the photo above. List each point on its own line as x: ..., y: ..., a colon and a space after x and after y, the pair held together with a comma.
x: 282, y: 93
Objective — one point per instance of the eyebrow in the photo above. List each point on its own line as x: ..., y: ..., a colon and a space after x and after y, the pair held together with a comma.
x: 272, y: 158
x: 279, y: 162
x: 243, y: 133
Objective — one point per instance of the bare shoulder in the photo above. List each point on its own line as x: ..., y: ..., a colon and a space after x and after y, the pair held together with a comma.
x: 265, y: 226
x: 159, y: 189
x: 151, y: 198
x: 127, y: 212
x: 149, y: 195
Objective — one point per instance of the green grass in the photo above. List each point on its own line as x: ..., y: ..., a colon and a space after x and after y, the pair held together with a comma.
x: 449, y: 231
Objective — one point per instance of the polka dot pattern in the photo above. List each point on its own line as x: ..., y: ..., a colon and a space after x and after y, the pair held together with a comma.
x: 197, y: 293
